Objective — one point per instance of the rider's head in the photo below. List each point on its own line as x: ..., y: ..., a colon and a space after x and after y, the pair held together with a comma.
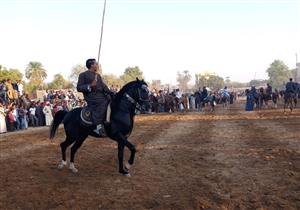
x: 91, y: 64
x: 291, y: 79
x: 225, y: 87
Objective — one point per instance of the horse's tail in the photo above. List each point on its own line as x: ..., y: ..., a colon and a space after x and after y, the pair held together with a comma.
x: 58, y: 118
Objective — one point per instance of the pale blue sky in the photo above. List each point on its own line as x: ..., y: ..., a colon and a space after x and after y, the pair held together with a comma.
x: 231, y: 38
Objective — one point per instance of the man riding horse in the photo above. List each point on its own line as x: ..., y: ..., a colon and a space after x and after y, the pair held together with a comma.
x: 290, y: 89
x: 96, y: 93
x: 268, y: 92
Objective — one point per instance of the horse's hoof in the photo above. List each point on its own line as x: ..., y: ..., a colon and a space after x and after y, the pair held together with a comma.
x: 126, y: 174
x: 127, y: 166
x: 73, y: 169
x: 62, y: 164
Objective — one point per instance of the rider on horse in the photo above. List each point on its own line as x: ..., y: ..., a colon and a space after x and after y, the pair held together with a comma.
x: 225, y: 92
x: 269, y: 92
x: 290, y: 89
x: 96, y: 94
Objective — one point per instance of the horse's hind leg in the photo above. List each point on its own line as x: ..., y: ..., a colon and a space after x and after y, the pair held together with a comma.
x: 64, y: 145
x: 74, y: 149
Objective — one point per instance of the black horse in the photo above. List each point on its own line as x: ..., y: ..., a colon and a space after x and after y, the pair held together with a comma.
x: 131, y: 97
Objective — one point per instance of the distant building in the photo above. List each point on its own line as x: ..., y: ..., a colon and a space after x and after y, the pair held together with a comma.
x: 298, y: 73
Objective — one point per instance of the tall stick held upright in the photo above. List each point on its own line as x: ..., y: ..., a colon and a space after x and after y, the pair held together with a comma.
x: 101, y: 35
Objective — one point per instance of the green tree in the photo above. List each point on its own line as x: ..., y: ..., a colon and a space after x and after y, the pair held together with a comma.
x: 113, y: 80
x: 12, y: 74
x: 36, y: 74
x: 59, y: 82
x: 210, y: 80
x: 183, y: 78
x: 278, y: 73
x: 131, y: 73
x: 75, y: 71
x: 258, y: 82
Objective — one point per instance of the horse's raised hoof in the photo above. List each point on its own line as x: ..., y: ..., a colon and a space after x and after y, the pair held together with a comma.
x: 124, y: 173
x: 127, y: 166
x: 72, y: 168
x: 62, y: 164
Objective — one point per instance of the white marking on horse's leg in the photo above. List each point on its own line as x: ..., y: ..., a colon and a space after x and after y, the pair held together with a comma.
x: 127, y: 166
x: 72, y: 168
x: 127, y: 175
x: 62, y: 164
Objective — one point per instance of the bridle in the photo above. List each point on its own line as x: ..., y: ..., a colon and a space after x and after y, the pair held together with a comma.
x: 136, y: 104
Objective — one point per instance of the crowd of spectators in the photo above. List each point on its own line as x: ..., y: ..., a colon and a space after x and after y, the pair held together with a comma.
x: 18, y: 112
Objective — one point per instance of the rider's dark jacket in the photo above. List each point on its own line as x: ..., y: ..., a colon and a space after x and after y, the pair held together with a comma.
x: 291, y: 87
x: 96, y: 97
x: 269, y: 90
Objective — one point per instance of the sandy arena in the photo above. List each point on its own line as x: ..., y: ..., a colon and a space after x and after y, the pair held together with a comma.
x: 226, y: 160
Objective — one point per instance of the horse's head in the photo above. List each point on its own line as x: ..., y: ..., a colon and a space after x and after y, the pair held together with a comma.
x: 138, y: 93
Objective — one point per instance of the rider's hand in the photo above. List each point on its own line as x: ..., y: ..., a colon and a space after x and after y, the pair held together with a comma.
x: 94, y: 83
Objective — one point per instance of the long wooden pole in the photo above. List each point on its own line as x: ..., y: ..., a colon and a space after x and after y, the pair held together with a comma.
x: 102, y: 25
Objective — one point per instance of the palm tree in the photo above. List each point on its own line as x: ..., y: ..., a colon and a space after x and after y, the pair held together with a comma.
x: 36, y: 73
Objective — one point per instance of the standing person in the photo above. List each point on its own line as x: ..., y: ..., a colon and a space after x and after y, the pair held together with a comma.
x: 161, y: 101
x: 48, y: 114
x: 15, y: 111
x: 11, y: 120
x: 32, y: 117
x: 3, y: 94
x: 20, y: 88
x: 275, y: 97
x: 204, y: 93
x: 96, y: 94
x: 40, y: 114
x: 3, y: 128
x: 22, y: 117
x: 249, y: 101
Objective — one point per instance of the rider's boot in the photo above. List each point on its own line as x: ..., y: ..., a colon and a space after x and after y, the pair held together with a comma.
x: 100, y: 131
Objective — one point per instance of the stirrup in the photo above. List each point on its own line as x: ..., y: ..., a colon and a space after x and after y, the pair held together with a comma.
x: 100, y: 131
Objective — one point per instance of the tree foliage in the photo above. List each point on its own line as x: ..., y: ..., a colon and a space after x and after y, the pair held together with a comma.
x: 210, y: 80
x: 183, y: 78
x: 36, y: 74
x: 278, y: 73
x: 12, y: 74
x: 59, y: 82
x: 113, y: 80
x: 75, y: 71
x: 258, y: 82
x: 131, y: 73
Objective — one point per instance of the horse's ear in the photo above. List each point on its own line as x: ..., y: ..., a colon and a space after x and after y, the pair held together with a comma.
x: 137, y: 79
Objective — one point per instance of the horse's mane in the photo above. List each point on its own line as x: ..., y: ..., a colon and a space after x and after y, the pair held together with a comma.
x: 123, y: 90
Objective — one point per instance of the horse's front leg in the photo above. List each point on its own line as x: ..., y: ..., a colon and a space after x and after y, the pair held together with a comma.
x: 132, y: 149
x: 121, y: 145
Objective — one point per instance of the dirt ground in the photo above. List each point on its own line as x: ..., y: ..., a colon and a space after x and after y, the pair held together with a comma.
x: 226, y: 160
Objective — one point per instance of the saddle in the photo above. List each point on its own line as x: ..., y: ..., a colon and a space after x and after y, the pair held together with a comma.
x: 86, y: 116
